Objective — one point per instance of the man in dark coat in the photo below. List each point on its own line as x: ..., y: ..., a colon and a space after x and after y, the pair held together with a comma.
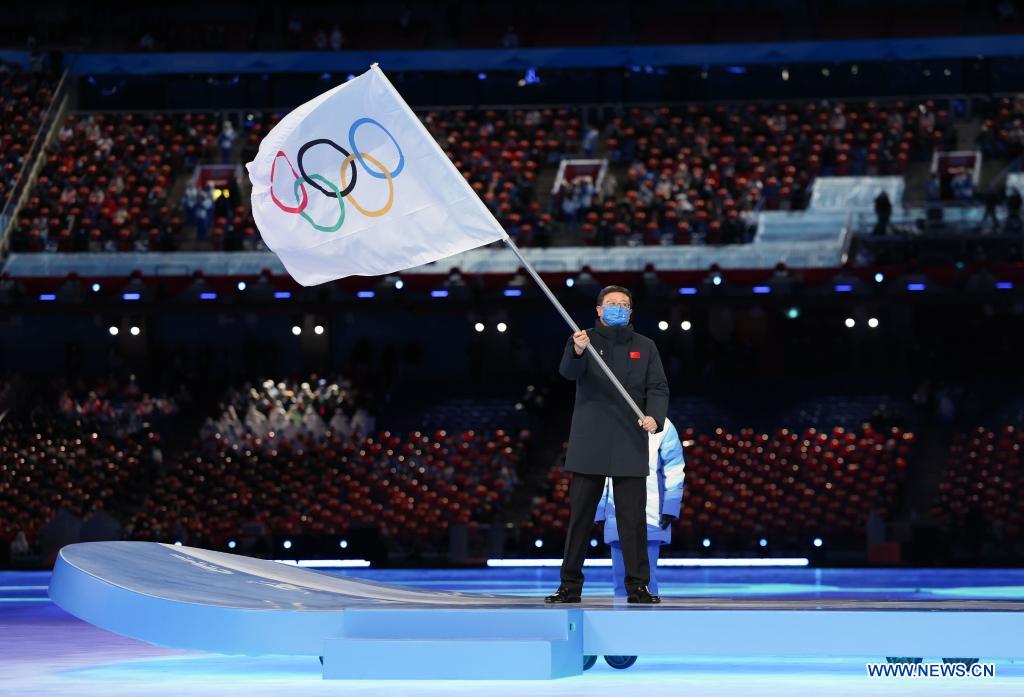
x: 607, y: 440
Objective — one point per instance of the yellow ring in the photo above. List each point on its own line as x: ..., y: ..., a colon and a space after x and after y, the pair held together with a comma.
x: 350, y: 197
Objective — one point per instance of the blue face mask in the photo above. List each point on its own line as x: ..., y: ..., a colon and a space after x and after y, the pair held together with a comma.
x: 615, y: 315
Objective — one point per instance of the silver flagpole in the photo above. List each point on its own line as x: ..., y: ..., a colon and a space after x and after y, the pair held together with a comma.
x: 565, y: 315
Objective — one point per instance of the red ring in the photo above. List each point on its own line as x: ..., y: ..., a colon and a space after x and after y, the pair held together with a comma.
x: 305, y: 199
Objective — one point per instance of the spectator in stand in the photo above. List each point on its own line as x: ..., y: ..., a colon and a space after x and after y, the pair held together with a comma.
x: 883, y: 213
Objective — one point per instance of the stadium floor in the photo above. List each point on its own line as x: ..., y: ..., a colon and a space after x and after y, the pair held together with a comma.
x: 45, y: 651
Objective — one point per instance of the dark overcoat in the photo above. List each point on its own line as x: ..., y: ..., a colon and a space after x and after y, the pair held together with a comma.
x: 604, y: 437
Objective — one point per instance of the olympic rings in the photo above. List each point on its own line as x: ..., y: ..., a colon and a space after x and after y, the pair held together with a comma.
x: 305, y: 199
x: 352, y: 143
x: 334, y: 193
x: 328, y: 188
x: 341, y: 206
x: 391, y: 186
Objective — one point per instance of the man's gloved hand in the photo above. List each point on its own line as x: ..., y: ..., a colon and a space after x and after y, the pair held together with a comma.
x: 667, y: 520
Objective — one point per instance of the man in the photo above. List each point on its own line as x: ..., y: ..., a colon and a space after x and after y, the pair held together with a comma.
x: 666, y: 471
x: 607, y: 440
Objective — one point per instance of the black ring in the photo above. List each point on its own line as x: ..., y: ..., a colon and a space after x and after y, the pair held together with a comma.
x: 330, y: 194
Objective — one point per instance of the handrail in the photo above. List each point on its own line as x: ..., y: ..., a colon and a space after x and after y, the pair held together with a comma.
x: 31, y: 163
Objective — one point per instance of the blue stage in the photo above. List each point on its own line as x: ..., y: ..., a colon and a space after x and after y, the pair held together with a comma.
x: 193, y: 599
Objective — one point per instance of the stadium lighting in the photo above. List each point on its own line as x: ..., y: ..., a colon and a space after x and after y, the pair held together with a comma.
x: 793, y: 312
x: 706, y: 542
x: 479, y: 327
x: 663, y: 325
x: 318, y: 329
x: 879, y: 277
x: 135, y: 331
x: 686, y: 325
x: 873, y: 322
x: 763, y: 542
x: 287, y: 544
x: 343, y: 544
x: 850, y: 323
x: 501, y: 327
x: 113, y: 330
x: 241, y: 285
x: 95, y: 287
x: 296, y: 330
x: 231, y: 544
x: 569, y: 282
x: 716, y: 279
x: 538, y: 543
x: 399, y: 284
x: 818, y: 542
x: 593, y: 542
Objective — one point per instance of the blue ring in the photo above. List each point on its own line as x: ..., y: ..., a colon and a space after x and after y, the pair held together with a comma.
x: 359, y: 157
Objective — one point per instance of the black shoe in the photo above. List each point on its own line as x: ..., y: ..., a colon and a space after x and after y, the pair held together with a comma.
x: 563, y: 595
x: 641, y: 595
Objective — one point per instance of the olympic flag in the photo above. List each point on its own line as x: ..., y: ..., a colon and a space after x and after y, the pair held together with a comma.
x: 352, y: 183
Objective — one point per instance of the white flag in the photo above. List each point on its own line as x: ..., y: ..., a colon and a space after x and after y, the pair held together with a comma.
x: 352, y: 183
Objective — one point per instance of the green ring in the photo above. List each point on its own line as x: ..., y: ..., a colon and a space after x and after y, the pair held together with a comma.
x: 341, y: 205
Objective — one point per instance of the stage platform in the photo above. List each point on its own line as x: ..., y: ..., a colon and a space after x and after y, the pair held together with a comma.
x: 187, y: 598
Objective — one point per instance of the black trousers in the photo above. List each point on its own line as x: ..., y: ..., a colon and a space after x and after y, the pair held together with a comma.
x: 630, y: 511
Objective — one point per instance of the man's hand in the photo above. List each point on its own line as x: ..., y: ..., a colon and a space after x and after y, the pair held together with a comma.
x: 667, y: 520
x: 648, y: 424
x: 580, y: 340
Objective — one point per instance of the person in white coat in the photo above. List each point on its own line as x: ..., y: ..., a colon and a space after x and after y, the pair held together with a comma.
x: 664, y: 499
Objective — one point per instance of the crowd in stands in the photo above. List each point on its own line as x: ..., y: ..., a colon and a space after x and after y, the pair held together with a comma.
x: 24, y: 98
x: 106, y: 180
x: 785, y: 486
x: 408, y: 488
x: 699, y: 174
x: 115, y: 406
x: 689, y: 175
x: 1001, y: 134
x: 979, y: 495
x: 47, y: 466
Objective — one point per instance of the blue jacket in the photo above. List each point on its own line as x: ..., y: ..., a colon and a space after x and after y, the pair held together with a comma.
x: 666, y: 472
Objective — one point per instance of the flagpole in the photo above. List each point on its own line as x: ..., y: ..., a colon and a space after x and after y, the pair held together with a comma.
x: 504, y: 236
x: 565, y: 315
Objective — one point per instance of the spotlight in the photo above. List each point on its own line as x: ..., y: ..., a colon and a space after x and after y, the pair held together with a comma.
x: 850, y: 323
x: 873, y: 322
x: 686, y: 325
x: 343, y: 544
x: 113, y: 330
x: 479, y: 326
x: 177, y: 543
x: 231, y: 544
x: 501, y: 327
x: 793, y: 312
x: 318, y: 330
x: 763, y: 542
x: 296, y: 330
x: 817, y: 542
x: 95, y: 287
x: 662, y: 325
x: 706, y: 542
x: 287, y: 544
x: 716, y: 279
x: 135, y: 331
x: 569, y: 283
x: 538, y: 543
x: 879, y: 277
x: 399, y: 284
x: 593, y: 542
x: 241, y: 285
